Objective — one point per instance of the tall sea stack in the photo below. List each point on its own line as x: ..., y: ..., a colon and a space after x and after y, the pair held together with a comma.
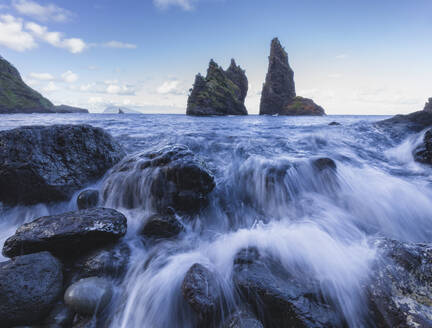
x: 220, y: 92
x: 278, y: 96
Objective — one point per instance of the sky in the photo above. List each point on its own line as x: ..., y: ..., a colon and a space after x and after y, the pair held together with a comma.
x: 350, y: 57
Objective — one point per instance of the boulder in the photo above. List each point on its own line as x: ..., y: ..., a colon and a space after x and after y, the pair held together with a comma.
x: 219, y: 93
x: 88, y: 199
x: 423, y: 153
x: 242, y: 319
x: 201, y: 291
x: 171, y: 178
x: 334, y: 123
x: 67, y: 234
x: 30, y: 285
x: 400, y: 289
x: 324, y: 163
x: 279, y: 299
x: 302, y: 106
x: 89, y: 296
x: 162, y: 226
x: 40, y: 164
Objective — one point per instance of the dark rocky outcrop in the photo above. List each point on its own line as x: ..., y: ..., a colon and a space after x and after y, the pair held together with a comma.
x: 171, y: 178
x: 219, y: 93
x: 428, y: 106
x: 50, y: 163
x: 278, y: 95
x: 415, y: 122
x: 29, y: 287
x: 423, y: 152
x: 278, y: 298
x: 201, y: 291
x: 88, y: 199
x: 162, y: 226
x: 242, y: 319
x: 18, y: 97
x: 400, y: 290
x: 67, y: 234
x: 65, y: 109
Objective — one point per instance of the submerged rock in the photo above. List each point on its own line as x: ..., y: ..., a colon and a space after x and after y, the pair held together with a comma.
x: 279, y: 299
x: 171, y: 178
x: 50, y: 163
x: 400, y: 290
x: 29, y: 287
x: 67, y: 234
x: 278, y: 94
x: 219, y: 93
x: 89, y: 296
x: 201, y: 291
x: 162, y: 226
x: 324, y: 163
x: 423, y: 153
x: 88, y: 199
x: 334, y: 123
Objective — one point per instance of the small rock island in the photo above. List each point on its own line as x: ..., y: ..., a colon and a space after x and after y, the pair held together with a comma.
x: 278, y: 95
x: 220, y: 92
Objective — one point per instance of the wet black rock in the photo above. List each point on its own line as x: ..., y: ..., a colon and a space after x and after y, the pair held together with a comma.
x: 324, y: 163
x: 59, y: 317
x: 278, y: 298
x: 400, y: 290
x: 428, y: 106
x: 89, y: 295
x: 278, y: 95
x: 162, y: 226
x: 171, y: 178
x: 242, y: 319
x: 416, y: 121
x: 50, y: 163
x: 423, y: 153
x: 219, y: 93
x: 67, y: 234
x: 201, y: 291
x: 109, y: 261
x: 29, y: 287
x: 88, y: 199
x: 334, y: 123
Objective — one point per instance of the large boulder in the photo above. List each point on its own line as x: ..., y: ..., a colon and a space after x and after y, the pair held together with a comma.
x: 423, y: 153
x: 50, y: 163
x: 201, y: 291
x: 219, y: 93
x: 29, y: 287
x: 242, y: 319
x: 400, y: 288
x: 88, y: 199
x: 18, y: 97
x: 67, y: 234
x: 278, y: 298
x: 171, y: 178
x: 278, y: 95
x: 162, y: 226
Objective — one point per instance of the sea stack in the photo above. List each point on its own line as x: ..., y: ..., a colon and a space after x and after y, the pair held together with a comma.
x: 220, y: 92
x: 428, y: 106
x: 278, y: 96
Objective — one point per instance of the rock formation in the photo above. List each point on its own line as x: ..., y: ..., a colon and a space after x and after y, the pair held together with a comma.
x: 219, y: 93
x: 18, y: 97
x: 278, y: 96
x: 428, y: 106
x: 65, y: 109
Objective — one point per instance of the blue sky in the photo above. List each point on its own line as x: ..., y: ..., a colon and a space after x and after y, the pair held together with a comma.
x: 362, y: 57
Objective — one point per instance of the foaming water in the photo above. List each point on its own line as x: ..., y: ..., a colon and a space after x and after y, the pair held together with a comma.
x: 269, y: 194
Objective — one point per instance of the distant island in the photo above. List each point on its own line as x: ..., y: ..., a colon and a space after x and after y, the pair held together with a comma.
x: 17, y: 97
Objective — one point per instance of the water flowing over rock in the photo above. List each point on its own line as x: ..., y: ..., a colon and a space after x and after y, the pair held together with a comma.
x: 18, y: 97
x: 50, y: 163
x: 428, y: 106
x: 219, y: 93
x: 67, y: 234
x: 171, y: 178
x: 162, y: 226
x: 242, y: 319
x: 88, y: 199
x: 278, y: 95
x: 29, y: 288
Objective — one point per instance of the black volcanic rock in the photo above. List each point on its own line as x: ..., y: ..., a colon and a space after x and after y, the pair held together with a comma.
x: 18, y: 97
x: 428, y: 106
x: 67, y: 234
x: 278, y: 94
x: 219, y: 93
x: 30, y: 285
x: 50, y: 163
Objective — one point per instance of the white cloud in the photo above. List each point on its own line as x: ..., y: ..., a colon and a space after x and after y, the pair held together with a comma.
x: 50, y: 87
x: 42, y: 76
x: 170, y: 87
x: 42, y: 13
x: 341, y: 56
x: 13, y: 36
x: 184, y: 4
x: 69, y: 77
x: 73, y: 45
x: 112, y: 87
x: 115, y: 89
x: 119, y: 45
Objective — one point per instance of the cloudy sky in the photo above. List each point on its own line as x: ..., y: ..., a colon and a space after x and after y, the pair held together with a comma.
x: 351, y: 57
